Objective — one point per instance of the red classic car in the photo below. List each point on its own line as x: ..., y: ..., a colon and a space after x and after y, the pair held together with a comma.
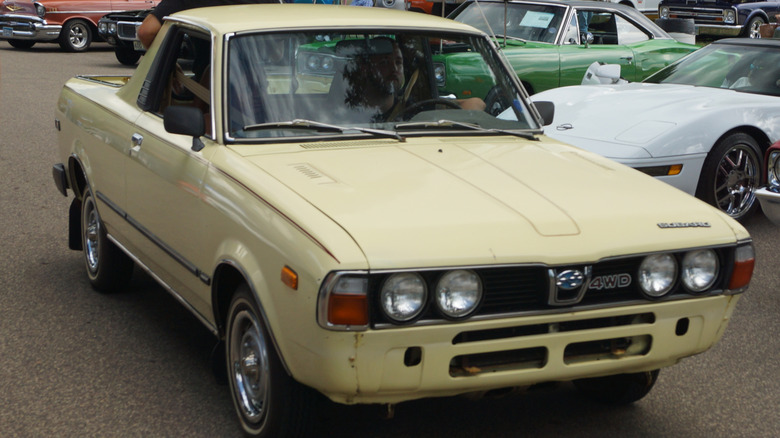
x: 71, y: 23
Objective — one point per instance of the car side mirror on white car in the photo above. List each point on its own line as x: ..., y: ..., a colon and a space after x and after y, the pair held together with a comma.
x: 599, y: 73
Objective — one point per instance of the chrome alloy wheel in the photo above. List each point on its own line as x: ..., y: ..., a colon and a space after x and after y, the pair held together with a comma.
x: 736, y: 180
x: 78, y: 36
x: 91, y: 236
x: 249, y: 365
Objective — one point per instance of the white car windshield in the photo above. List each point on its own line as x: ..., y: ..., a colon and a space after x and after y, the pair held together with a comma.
x: 746, y: 68
x: 395, y: 83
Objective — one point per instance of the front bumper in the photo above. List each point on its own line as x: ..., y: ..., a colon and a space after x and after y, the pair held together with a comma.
x: 770, y: 203
x: 21, y: 27
x: 395, y: 365
x: 718, y: 30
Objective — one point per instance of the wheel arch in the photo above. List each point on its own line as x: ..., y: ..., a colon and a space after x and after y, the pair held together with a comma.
x: 228, y: 277
x: 758, y: 135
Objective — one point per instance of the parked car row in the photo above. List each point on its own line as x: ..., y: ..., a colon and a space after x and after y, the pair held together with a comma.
x: 349, y: 219
x: 71, y: 23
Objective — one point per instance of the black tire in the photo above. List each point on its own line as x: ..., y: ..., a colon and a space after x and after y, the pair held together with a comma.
x: 21, y: 44
x: 268, y: 402
x: 753, y: 27
x: 76, y: 36
x: 731, y: 174
x: 621, y: 389
x: 108, y: 268
x: 126, y: 56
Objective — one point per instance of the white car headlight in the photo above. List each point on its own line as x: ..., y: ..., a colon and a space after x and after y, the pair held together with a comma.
x: 699, y: 270
x: 657, y: 274
x: 403, y: 296
x: 773, y: 169
x: 458, y: 293
x: 663, y: 12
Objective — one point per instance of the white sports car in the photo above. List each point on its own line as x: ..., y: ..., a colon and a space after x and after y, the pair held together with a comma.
x: 701, y: 124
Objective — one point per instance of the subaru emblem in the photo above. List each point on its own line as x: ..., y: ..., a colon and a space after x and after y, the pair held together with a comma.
x: 570, y: 279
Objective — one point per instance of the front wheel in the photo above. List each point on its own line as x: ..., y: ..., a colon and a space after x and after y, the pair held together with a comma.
x: 126, y: 55
x: 76, y: 36
x: 752, y: 30
x: 621, y: 389
x: 730, y: 176
x: 269, y: 403
x: 21, y: 44
x: 108, y: 268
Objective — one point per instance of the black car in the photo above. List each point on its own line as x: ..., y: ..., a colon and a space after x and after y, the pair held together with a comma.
x: 120, y: 30
x: 722, y: 17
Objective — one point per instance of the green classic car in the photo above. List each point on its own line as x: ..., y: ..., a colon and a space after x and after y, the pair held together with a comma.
x: 552, y: 43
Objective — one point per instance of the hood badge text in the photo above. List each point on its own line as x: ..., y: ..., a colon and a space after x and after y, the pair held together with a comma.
x: 684, y: 225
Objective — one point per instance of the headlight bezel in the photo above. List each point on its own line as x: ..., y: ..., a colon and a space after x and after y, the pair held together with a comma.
x: 658, y: 288
x: 688, y: 264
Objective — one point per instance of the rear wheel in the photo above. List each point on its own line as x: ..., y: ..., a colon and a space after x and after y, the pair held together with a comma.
x: 76, y: 36
x: 731, y: 175
x: 269, y: 403
x: 108, y: 268
x: 620, y: 389
x: 21, y: 44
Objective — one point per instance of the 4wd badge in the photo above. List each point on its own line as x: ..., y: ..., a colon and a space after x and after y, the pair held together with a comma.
x: 614, y: 281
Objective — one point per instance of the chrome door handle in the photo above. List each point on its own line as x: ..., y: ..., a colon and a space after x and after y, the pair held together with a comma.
x: 136, y: 141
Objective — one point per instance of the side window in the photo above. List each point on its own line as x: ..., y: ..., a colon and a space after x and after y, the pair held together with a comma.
x: 628, y: 33
x: 180, y: 74
x: 602, y: 25
x: 572, y: 32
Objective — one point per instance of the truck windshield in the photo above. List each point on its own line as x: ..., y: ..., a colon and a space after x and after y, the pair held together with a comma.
x: 311, y: 84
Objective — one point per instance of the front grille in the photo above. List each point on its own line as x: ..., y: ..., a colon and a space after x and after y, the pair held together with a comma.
x: 699, y: 15
x: 511, y: 290
x: 127, y: 31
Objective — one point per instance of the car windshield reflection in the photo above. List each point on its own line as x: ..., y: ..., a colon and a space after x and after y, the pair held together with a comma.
x: 751, y: 69
x: 362, y: 84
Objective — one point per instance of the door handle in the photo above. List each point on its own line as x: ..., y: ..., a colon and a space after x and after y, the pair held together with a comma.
x: 627, y: 58
x: 136, y: 141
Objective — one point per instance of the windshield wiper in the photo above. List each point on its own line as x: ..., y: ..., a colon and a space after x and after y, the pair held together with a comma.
x: 322, y: 127
x: 462, y: 125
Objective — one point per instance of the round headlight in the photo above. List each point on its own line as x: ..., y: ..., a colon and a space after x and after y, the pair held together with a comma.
x: 773, y: 168
x: 656, y: 274
x: 440, y: 73
x: 40, y: 10
x: 699, y: 270
x: 327, y: 63
x: 111, y: 27
x: 458, y: 293
x: 102, y: 27
x: 664, y: 12
x: 313, y: 62
x: 403, y: 296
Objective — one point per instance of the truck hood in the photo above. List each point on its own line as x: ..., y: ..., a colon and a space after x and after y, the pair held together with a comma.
x: 454, y: 201
x: 17, y: 7
x: 600, y: 113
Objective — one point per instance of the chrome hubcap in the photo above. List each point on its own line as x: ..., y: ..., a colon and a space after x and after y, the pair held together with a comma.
x: 91, y: 231
x: 249, y: 366
x: 78, y: 36
x: 736, y: 181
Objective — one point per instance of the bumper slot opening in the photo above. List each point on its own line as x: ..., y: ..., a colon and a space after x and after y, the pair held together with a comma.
x: 558, y: 327
x: 606, y: 349
x: 511, y: 360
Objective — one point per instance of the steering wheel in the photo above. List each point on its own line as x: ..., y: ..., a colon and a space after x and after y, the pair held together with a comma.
x: 437, y: 100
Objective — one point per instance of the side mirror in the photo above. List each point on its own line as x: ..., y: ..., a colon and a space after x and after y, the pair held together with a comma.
x: 599, y: 73
x: 185, y: 120
x: 546, y: 110
x: 586, y: 38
